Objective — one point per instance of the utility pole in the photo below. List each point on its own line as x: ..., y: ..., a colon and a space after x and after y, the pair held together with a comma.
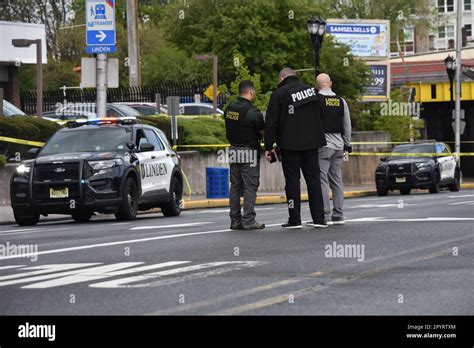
x: 457, y: 138
x: 133, y: 43
x: 101, y: 82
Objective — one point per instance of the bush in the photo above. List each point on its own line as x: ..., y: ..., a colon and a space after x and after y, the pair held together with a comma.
x: 3, y: 160
x: 199, y: 130
x: 26, y: 128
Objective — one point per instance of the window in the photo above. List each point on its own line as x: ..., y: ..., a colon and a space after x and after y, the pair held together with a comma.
x: 450, y: 31
x: 468, y: 30
x: 409, y: 34
x: 204, y: 110
x: 467, y: 5
x: 449, y: 5
x: 441, y: 32
x: 441, y: 5
x: 153, y: 139
x: 191, y: 110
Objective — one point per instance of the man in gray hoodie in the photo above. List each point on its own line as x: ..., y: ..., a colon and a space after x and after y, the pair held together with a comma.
x: 337, y: 127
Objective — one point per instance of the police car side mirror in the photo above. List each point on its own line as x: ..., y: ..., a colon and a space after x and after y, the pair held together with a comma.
x: 131, y: 146
x: 383, y: 159
x: 146, y: 147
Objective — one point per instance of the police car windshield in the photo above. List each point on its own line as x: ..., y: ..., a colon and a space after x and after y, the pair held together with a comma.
x: 416, y: 148
x: 89, y: 140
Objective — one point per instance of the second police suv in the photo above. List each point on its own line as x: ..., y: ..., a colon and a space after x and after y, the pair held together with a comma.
x: 430, y: 166
x: 112, y: 166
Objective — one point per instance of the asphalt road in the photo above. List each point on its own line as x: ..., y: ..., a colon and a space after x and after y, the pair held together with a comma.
x: 396, y: 255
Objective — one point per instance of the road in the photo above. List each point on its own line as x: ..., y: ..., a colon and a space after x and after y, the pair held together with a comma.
x: 396, y: 255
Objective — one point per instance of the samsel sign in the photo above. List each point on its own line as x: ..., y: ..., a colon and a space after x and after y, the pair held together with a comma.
x: 369, y: 39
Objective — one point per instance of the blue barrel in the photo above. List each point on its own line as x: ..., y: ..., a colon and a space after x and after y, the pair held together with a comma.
x: 217, y: 182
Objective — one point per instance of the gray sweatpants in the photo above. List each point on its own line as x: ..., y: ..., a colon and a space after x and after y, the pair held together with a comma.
x: 244, y: 181
x: 330, y: 162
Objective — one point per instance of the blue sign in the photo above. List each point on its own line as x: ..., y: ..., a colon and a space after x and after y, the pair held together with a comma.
x: 378, y: 83
x: 100, y: 26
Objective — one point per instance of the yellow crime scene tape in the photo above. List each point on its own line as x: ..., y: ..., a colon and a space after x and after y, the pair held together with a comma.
x: 399, y: 154
x: 22, y: 141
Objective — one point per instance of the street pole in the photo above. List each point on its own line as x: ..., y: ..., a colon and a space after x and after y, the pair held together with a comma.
x: 214, y: 82
x: 133, y: 43
x: 39, y: 78
x: 457, y: 140
x: 317, y: 51
x: 101, y: 85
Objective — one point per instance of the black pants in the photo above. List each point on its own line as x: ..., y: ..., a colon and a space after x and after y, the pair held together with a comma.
x: 307, y: 161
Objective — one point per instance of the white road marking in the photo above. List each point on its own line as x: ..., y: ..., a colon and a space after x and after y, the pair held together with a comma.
x: 125, y: 282
x: 40, y: 273
x: 38, y: 231
x: 98, y: 273
x: 17, y: 230
x: 131, y: 241
x: 10, y: 267
x: 462, y: 203
x: 427, y: 219
x: 461, y: 196
x: 387, y: 205
x: 170, y: 226
x: 217, y: 211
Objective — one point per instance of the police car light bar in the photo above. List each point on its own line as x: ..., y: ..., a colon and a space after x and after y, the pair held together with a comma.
x: 102, y: 121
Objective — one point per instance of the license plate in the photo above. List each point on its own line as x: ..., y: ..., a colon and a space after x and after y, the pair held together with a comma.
x: 59, y: 193
x: 400, y: 179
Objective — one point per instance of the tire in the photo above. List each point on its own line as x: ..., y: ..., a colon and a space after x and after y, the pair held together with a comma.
x: 405, y: 191
x: 129, y: 205
x: 25, y: 217
x: 435, y: 187
x: 82, y: 215
x: 382, y: 191
x: 173, y: 207
x: 456, y: 186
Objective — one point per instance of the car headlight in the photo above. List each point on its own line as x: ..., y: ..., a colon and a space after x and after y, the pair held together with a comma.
x: 108, y: 164
x: 23, y: 169
x: 422, y: 165
x: 381, y: 167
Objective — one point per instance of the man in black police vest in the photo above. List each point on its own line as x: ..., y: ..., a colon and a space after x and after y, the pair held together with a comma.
x: 293, y: 120
x: 244, y: 127
x: 337, y: 126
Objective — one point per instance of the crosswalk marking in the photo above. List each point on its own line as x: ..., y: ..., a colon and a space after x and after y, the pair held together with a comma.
x: 56, y: 275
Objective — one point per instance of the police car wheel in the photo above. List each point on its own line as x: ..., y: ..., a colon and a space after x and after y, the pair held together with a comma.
x: 26, y: 218
x: 129, y: 205
x: 435, y: 187
x: 82, y: 215
x: 173, y: 208
x: 456, y: 186
x: 405, y: 191
x: 382, y: 191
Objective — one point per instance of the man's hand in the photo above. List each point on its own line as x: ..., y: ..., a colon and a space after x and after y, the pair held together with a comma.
x: 270, y: 155
x: 348, y: 148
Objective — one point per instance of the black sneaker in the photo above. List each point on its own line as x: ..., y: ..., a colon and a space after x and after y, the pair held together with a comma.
x: 290, y: 226
x: 337, y: 221
x: 255, y: 226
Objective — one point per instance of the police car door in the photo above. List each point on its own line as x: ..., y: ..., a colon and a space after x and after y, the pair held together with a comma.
x: 447, y: 162
x: 144, y: 160
x: 162, y: 164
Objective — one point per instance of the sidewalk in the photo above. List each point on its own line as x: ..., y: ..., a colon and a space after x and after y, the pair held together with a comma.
x: 201, y: 202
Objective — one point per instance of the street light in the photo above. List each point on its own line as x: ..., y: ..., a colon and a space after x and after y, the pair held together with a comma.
x: 204, y: 57
x: 316, y: 28
x: 450, y: 63
x: 22, y: 43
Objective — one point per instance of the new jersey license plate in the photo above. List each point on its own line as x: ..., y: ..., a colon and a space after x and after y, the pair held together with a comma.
x: 59, y: 193
x: 400, y: 179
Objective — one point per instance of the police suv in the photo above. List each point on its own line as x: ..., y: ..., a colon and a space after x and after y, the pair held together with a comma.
x: 109, y: 165
x: 427, y: 165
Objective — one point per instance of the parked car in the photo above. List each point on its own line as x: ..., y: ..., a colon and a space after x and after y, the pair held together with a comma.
x: 147, y: 109
x: 11, y: 110
x: 418, y: 171
x: 76, y: 111
x: 198, y: 109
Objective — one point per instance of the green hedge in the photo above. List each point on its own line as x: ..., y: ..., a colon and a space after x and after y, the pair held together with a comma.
x: 26, y: 128
x: 199, y: 130
x: 3, y: 160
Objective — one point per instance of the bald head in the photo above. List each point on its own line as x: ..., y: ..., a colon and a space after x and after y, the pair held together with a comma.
x: 323, y: 81
x: 285, y: 72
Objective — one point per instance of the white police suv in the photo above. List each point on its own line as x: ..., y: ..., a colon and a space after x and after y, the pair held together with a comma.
x: 108, y: 165
x: 429, y: 165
